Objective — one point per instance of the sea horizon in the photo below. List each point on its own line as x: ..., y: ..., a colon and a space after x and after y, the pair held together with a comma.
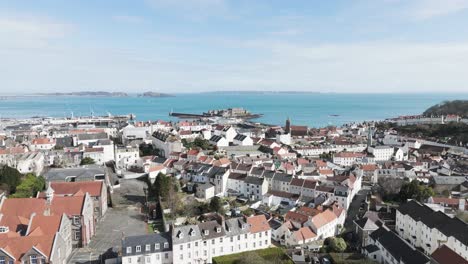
x: 311, y: 109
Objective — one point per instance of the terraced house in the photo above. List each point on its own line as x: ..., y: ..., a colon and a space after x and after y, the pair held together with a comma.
x: 199, y: 243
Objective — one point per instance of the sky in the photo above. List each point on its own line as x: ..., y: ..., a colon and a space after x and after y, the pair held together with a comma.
x: 345, y: 46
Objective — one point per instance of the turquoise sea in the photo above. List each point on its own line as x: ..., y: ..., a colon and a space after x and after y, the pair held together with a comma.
x: 313, y: 109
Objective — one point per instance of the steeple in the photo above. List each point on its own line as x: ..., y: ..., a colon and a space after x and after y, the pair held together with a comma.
x: 287, y: 128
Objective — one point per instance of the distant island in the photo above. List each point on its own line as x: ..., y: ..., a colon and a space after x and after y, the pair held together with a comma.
x: 87, y: 93
x: 155, y: 94
x: 456, y: 107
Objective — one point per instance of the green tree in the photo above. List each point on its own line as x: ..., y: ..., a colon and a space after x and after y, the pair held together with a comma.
x: 87, y: 161
x: 337, y: 244
x: 10, y: 178
x: 415, y: 190
x: 29, y: 187
x: 216, y: 204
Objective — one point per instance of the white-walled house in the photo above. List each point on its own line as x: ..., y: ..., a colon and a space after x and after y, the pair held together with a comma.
x: 381, y: 153
x: 243, y: 140
x: 198, y: 243
x: 219, y: 141
x: 429, y: 229
x: 385, y: 246
x: 127, y: 156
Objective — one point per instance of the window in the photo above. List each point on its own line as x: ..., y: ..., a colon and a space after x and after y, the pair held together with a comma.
x: 166, y: 245
x: 33, y: 259
x: 148, y: 247
x: 157, y: 256
x: 232, y: 239
x: 204, y: 253
x: 2, y: 260
x: 77, y: 235
x: 196, y: 244
x: 129, y: 250
x: 156, y: 246
x: 166, y: 255
x: 212, y: 241
x: 181, y: 257
x: 148, y: 259
x: 129, y: 260
x: 220, y: 240
x: 138, y: 249
x: 181, y: 247
x: 76, y: 220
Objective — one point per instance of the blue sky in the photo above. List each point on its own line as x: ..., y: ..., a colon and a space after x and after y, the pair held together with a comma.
x: 205, y: 45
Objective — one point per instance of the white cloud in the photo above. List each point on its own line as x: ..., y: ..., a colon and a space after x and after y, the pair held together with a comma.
x: 20, y: 31
x: 426, y: 9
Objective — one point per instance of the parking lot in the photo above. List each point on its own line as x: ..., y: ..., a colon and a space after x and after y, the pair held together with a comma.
x: 123, y: 219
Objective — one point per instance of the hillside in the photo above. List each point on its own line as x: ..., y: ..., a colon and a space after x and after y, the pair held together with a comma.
x: 457, y: 107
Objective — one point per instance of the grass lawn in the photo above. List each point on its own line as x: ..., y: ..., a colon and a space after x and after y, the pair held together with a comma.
x: 270, y: 255
x: 351, y: 258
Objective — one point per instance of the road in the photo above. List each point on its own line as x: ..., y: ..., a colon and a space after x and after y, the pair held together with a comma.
x: 353, y: 209
x: 124, y: 219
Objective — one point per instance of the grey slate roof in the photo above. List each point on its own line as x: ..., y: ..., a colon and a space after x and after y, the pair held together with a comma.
x: 398, y: 248
x: 92, y: 136
x: 254, y: 180
x: 143, y: 240
x: 445, y: 224
x: 234, y: 226
x: 209, y: 229
x: 185, y: 234
x: 283, y: 177
x: 81, y: 173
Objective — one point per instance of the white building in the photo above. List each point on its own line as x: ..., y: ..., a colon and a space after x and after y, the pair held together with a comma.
x: 348, y: 158
x: 199, y: 243
x: 243, y: 140
x: 387, y: 247
x: 166, y: 143
x: 381, y: 153
x: 428, y: 229
x: 125, y: 157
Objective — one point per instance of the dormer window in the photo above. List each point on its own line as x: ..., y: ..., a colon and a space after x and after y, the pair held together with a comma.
x: 148, y: 247
x: 192, y: 232
x: 181, y: 235
x: 129, y: 250
x: 206, y: 232
x: 244, y: 226
x: 166, y: 245
x: 218, y: 229
x: 228, y: 229
x: 138, y: 248
x: 4, y: 229
x: 156, y: 246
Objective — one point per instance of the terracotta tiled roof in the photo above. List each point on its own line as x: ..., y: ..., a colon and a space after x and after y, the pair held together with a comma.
x: 70, y: 188
x: 69, y: 205
x: 444, y: 255
x: 23, y: 207
x: 258, y: 223
x: 44, y: 225
x: 323, y: 218
x: 18, y: 246
x: 40, y: 141
x: 305, y: 233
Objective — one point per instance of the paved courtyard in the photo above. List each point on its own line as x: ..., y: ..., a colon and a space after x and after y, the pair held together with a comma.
x: 123, y: 219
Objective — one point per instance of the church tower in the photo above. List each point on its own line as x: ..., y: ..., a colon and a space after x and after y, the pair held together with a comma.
x: 287, y: 128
